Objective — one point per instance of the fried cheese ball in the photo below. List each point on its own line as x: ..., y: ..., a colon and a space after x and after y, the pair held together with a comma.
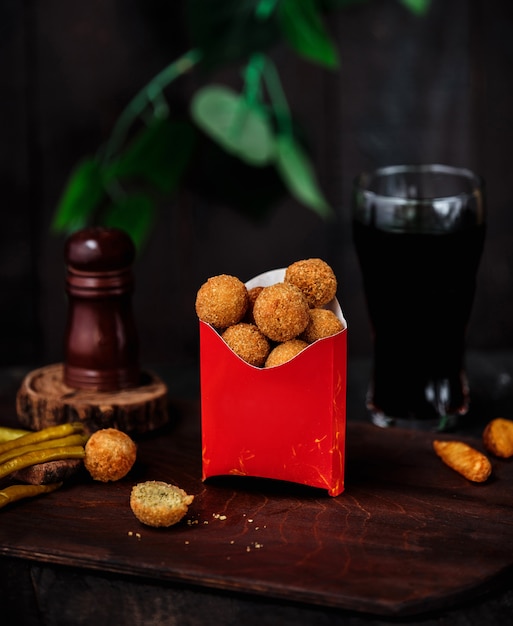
x: 498, y: 437
x: 222, y: 301
x: 281, y: 312
x: 284, y: 352
x: 315, y: 278
x: 248, y: 342
x: 323, y: 323
x: 159, y: 504
x: 109, y: 454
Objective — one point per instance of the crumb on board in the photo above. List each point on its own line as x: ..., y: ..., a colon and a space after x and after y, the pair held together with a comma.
x: 132, y: 534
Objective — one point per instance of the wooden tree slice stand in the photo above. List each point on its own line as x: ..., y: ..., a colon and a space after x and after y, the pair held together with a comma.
x: 45, y: 400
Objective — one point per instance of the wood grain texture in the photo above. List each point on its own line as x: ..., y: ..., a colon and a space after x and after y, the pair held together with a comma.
x: 43, y: 399
x: 407, y: 536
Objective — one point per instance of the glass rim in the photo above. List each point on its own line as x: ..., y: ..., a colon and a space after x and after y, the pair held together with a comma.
x: 362, y: 180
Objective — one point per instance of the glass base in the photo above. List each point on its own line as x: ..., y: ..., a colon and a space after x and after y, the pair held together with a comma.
x: 441, y: 424
x: 429, y: 415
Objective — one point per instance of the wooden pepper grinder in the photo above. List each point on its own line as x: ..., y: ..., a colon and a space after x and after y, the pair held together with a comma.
x: 101, y: 364
x: 101, y: 347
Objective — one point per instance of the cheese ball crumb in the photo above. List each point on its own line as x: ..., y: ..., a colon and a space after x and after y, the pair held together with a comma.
x: 248, y: 343
x: 222, y: 301
x: 159, y: 504
x: 109, y: 454
x: 315, y: 278
x: 284, y: 352
x: 281, y: 312
x: 323, y: 323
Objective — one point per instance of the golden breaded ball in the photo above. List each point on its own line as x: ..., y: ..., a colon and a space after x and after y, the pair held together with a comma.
x: 222, y: 301
x: 498, y: 437
x: 281, y: 312
x: 109, y: 454
x: 316, y: 280
x: 248, y: 342
x: 323, y: 323
x: 159, y: 504
x: 285, y: 351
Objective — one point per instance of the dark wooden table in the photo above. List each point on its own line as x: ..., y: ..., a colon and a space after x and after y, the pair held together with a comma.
x: 409, y: 540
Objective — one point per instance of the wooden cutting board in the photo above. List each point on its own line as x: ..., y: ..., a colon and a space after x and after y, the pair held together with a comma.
x: 407, y: 536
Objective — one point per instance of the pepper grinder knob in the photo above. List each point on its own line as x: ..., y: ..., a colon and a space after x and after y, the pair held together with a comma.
x: 101, y: 348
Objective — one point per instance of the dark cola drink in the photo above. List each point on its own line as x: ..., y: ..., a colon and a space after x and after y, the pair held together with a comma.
x: 419, y: 274
x: 419, y: 297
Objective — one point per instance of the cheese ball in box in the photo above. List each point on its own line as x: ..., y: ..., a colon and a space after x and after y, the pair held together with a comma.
x: 281, y: 312
x: 315, y: 278
x: 222, y: 301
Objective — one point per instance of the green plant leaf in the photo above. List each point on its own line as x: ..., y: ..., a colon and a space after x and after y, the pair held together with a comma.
x: 303, y: 28
x: 299, y: 176
x: 159, y: 154
x: 239, y: 127
x: 419, y: 7
x: 151, y: 94
x: 135, y: 214
x: 228, y: 31
x: 81, y: 197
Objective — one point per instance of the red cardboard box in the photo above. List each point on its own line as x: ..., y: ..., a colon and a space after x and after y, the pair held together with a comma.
x: 286, y: 422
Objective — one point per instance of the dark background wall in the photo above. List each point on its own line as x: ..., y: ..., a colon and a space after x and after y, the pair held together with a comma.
x: 408, y: 89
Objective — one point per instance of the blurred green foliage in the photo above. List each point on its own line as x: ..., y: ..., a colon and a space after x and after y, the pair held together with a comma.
x: 257, y: 150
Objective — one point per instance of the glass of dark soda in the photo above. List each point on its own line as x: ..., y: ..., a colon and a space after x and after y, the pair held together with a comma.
x: 419, y: 231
